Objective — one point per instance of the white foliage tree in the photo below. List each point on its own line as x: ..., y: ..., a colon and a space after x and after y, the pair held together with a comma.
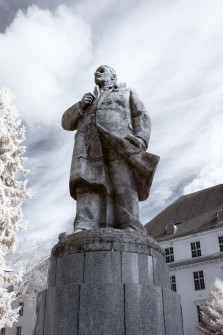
x: 32, y: 259
x: 212, y: 311
x: 12, y: 194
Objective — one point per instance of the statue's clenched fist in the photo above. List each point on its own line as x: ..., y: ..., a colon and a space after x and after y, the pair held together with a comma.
x: 87, y: 100
x: 137, y: 141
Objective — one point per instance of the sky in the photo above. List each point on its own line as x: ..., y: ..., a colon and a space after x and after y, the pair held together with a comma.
x: 169, y: 51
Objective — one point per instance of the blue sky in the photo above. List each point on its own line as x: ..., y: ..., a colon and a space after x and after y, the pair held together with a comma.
x: 169, y: 51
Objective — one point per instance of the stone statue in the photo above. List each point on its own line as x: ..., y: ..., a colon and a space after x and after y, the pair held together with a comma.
x: 111, y: 170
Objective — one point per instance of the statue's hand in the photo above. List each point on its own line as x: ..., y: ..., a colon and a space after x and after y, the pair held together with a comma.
x: 137, y: 141
x: 87, y: 100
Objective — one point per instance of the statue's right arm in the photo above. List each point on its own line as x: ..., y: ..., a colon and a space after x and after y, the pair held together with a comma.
x: 71, y: 117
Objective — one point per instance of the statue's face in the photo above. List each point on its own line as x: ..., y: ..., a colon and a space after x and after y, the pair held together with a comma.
x: 103, y: 76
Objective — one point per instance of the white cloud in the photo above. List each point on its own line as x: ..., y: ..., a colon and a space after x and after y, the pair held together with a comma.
x: 209, y: 167
x: 169, y: 51
x: 41, y: 52
x: 51, y: 210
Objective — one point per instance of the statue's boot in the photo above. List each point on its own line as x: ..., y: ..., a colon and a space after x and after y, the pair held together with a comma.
x: 127, y: 221
x: 89, y: 210
x: 125, y: 196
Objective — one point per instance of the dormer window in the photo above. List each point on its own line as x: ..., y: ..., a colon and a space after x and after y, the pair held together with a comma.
x: 171, y: 229
x: 220, y: 215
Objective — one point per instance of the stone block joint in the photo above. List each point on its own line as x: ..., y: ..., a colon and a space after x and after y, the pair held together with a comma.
x: 108, y: 283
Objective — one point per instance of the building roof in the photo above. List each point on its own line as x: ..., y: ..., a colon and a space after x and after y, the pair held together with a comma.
x: 191, y: 213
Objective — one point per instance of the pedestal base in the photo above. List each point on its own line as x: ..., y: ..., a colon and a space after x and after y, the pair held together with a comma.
x: 108, y: 282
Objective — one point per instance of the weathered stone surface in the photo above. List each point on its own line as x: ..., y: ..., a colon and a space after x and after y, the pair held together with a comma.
x: 108, y: 292
x: 172, y: 313
x: 144, y: 310
x: 145, y: 269
x: 111, y: 170
x: 52, y: 271
x: 70, y: 269
x: 161, y: 272
x: 157, y: 253
x: 102, y: 267
x: 130, y: 269
x: 61, y: 312
x: 137, y: 268
x: 107, y: 239
x: 101, y: 309
x: 40, y: 313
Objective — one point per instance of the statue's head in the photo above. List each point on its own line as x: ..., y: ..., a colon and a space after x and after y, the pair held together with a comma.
x: 105, y: 76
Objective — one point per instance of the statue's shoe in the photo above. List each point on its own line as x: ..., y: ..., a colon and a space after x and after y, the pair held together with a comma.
x: 78, y: 230
x: 129, y: 229
x: 84, y: 225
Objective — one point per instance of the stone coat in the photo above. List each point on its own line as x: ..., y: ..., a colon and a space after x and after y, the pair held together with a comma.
x: 121, y: 113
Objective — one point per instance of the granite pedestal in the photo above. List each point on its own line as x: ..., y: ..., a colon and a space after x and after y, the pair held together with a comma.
x: 108, y: 282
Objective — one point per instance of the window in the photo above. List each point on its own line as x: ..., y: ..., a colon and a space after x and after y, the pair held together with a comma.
x: 195, y: 249
x: 21, y: 305
x: 19, y: 330
x: 199, y: 280
x: 173, y: 285
x: 169, y: 255
x: 220, y: 240
x: 3, y: 331
x: 199, y: 316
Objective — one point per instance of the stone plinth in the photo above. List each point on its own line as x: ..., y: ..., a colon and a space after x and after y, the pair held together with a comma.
x: 108, y: 282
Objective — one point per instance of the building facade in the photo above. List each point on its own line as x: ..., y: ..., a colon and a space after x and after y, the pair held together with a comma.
x: 191, y: 233
x: 35, y: 281
x: 24, y: 326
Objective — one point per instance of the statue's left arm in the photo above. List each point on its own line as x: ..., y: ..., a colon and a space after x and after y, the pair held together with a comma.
x: 141, y: 121
x: 71, y: 117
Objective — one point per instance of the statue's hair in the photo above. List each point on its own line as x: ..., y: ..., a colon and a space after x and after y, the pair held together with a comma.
x: 112, y: 71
